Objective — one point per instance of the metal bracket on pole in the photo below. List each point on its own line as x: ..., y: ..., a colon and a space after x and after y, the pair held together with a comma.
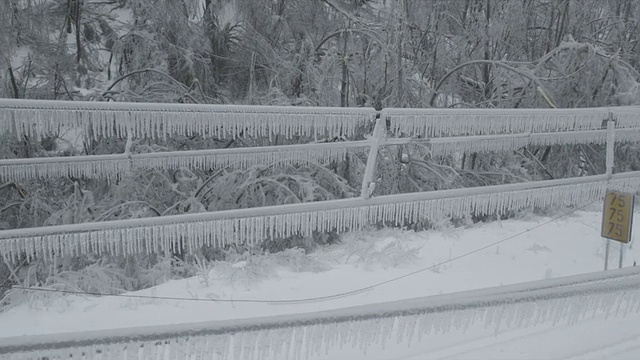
x: 611, y: 140
x: 378, y: 137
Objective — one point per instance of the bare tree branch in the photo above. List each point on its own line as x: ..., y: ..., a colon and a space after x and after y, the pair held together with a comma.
x: 142, y: 71
x: 525, y: 74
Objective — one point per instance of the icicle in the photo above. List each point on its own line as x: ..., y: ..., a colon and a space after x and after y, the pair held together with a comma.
x: 626, y: 182
x: 110, y: 167
x: 625, y: 116
x: 192, y: 231
x: 452, y: 122
x: 495, y: 143
x: 158, y: 120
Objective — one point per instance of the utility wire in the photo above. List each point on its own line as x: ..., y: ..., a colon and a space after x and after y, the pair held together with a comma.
x: 311, y: 299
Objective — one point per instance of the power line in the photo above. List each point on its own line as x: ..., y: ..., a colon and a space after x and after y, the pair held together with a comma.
x: 311, y: 299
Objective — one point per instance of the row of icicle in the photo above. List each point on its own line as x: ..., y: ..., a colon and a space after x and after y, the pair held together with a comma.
x: 538, y: 126
x: 188, y: 236
x: 390, y: 331
x: 460, y: 122
x: 117, y: 166
x: 139, y: 120
x: 523, y: 126
x: 468, y: 144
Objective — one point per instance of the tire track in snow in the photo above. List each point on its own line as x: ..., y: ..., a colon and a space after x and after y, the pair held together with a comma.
x: 627, y: 347
x: 480, y: 342
x: 454, y: 352
x: 624, y: 345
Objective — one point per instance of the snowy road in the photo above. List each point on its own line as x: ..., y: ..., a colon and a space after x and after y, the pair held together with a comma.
x: 599, y: 338
x: 583, y: 315
x: 591, y: 339
x: 538, y: 249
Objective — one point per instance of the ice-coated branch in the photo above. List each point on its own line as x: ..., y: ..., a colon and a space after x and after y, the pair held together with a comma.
x: 496, y: 63
x: 188, y: 232
x: 149, y: 120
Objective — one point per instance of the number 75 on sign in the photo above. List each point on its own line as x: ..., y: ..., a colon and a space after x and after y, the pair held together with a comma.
x: 617, y: 216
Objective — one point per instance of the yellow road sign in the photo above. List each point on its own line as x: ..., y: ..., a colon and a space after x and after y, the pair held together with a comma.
x: 617, y: 216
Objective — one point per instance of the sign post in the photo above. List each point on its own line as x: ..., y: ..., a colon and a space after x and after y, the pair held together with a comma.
x: 617, y: 219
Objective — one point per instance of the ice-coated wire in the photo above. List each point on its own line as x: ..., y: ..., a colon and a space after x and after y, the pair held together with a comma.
x: 184, y: 233
x: 149, y: 120
x: 460, y: 122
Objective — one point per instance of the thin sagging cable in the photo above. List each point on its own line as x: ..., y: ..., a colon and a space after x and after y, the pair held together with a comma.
x: 311, y: 299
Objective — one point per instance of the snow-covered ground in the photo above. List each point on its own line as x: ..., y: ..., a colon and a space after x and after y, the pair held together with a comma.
x: 531, y: 248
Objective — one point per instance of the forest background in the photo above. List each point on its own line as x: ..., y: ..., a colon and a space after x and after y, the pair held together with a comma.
x: 373, y: 53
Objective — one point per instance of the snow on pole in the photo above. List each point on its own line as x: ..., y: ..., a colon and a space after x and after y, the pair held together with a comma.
x: 151, y: 120
x: 611, y: 142
x: 379, y: 133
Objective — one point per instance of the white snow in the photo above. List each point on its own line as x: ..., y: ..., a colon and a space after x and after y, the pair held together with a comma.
x: 571, y: 245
